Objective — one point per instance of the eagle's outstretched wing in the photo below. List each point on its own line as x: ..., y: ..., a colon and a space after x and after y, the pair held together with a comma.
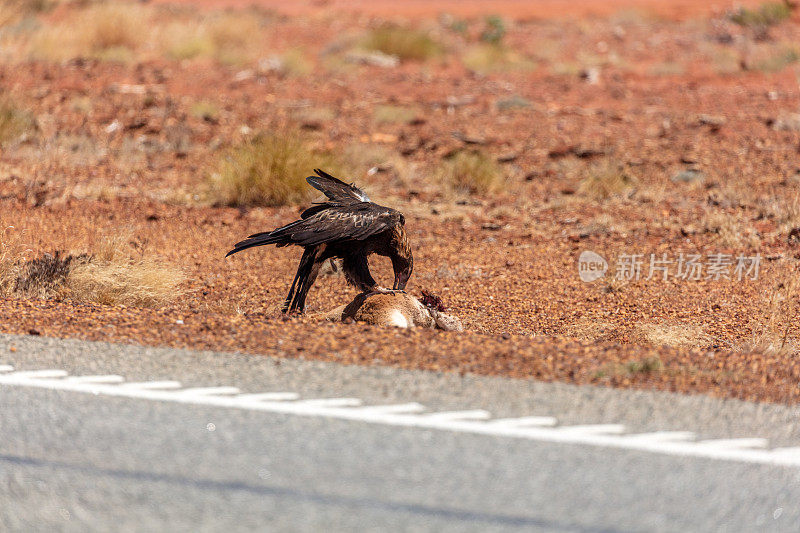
x: 335, y: 189
x: 336, y: 222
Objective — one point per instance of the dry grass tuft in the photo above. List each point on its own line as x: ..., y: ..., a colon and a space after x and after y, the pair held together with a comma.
x: 142, y: 283
x: 107, y: 277
x: 14, y: 122
x: 730, y: 231
x: 112, y: 32
x: 673, y: 335
x: 775, y: 320
x: 45, y: 276
x: 269, y: 170
x: 394, y: 114
x: 472, y: 172
x: 488, y: 58
x: 205, y: 110
x: 766, y: 15
x: 606, y: 180
x: 405, y: 43
x: 589, y: 329
x: 14, y: 11
x: 648, y: 365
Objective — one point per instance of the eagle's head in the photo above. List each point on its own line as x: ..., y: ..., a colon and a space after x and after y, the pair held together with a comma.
x: 402, y: 258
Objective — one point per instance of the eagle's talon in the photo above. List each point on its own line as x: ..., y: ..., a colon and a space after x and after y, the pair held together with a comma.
x: 383, y: 290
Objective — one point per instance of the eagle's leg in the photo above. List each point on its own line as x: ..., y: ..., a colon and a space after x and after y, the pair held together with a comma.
x: 356, y: 271
x: 299, y: 302
x: 303, y: 270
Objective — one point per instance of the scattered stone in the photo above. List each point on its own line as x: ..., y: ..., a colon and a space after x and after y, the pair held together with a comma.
x: 114, y: 126
x: 689, y: 176
x: 716, y: 121
x: 375, y: 58
x: 785, y: 122
x: 507, y: 157
x: 467, y: 139
x: 515, y: 102
x: 591, y: 75
x: 244, y: 75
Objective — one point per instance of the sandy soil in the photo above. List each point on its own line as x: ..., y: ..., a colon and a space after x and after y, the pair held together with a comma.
x: 517, y: 9
x: 118, y: 148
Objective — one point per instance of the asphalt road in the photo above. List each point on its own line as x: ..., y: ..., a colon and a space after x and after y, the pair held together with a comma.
x: 74, y: 461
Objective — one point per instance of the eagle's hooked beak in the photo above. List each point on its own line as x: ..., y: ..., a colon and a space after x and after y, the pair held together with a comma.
x: 400, y: 280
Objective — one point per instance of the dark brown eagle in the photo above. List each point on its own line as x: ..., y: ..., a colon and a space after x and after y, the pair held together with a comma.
x: 349, y: 227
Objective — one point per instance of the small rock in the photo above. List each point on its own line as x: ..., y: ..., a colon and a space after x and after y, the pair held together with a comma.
x: 515, y: 102
x: 378, y: 59
x: 786, y: 122
x: 114, y: 126
x: 689, y: 176
x: 591, y: 75
x: 34, y: 331
x: 712, y: 120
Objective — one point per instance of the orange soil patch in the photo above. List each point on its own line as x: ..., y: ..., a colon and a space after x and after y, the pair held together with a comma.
x: 516, y: 9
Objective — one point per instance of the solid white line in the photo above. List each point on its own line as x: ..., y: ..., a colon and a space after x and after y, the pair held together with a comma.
x: 663, y: 436
x: 594, y: 429
x: 39, y: 374
x: 6, y: 368
x: 95, y: 379
x: 270, y: 397
x: 474, y: 414
x: 733, y: 444
x: 210, y: 391
x: 152, y: 385
x: 330, y: 402
x: 525, y: 421
x: 398, y: 408
x: 601, y: 435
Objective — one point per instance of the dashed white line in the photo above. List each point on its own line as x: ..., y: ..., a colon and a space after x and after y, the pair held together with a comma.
x: 477, y: 421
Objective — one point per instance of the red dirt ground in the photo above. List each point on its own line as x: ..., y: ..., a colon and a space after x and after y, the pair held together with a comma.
x: 516, y: 9
x: 120, y: 148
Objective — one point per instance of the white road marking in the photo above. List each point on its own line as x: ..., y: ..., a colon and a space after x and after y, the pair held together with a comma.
x: 6, y: 368
x: 475, y: 414
x: 40, y: 374
x: 96, y: 379
x: 329, y: 402
x: 524, y: 421
x: 733, y: 444
x: 210, y: 391
x: 153, y: 385
x: 412, y: 407
x: 535, y: 428
x: 664, y: 436
x: 595, y: 429
x: 270, y: 397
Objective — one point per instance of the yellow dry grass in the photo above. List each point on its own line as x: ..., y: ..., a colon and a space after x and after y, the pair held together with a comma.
x: 112, y: 31
x: 672, y: 335
x: 405, y: 43
x: 605, y: 180
x: 269, y: 170
x: 14, y: 121
x: 472, y: 172
x: 108, y: 276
